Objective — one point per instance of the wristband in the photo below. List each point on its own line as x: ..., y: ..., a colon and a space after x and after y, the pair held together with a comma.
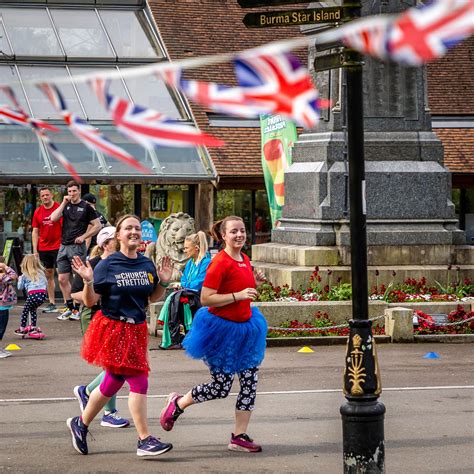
x: 233, y: 296
x: 88, y: 282
x: 163, y: 284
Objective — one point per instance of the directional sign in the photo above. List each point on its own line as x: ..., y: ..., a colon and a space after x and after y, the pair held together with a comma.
x: 342, y: 58
x: 268, y: 3
x: 308, y: 16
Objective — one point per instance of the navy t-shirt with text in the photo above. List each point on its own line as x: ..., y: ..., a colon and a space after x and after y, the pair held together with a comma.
x: 125, y: 285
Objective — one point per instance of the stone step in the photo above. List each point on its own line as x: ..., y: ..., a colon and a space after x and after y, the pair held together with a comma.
x: 298, y: 276
x: 300, y: 255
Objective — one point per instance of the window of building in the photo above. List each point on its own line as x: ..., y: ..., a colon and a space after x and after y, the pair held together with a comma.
x: 56, y: 41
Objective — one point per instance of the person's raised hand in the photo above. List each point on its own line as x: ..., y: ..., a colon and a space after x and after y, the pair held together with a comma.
x: 85, y: 271
x: 165, y: 269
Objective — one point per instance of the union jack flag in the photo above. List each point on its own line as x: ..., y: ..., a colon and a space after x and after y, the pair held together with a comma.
x: 280, y: 84
x: 148, y: 127
x: 220, y: 98
x: 416, y: 36
x: 18, y: 116
x: 86, y: 133
x: 422, y: 34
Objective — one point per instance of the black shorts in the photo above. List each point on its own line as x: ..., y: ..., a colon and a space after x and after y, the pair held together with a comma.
x: 48, y: 258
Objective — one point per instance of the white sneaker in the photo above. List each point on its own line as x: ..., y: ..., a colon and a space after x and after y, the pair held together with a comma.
x: 75, y: 316
x: 4, y: 354
x: 64, y: 316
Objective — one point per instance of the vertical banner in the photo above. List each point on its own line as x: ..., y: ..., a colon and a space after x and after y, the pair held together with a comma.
x: 278, y: 138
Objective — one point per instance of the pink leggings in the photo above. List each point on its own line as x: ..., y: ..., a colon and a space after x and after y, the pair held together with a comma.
x: 112, y: 383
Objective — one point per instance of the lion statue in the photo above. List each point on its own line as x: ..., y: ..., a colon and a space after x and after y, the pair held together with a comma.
x: 173, y: 231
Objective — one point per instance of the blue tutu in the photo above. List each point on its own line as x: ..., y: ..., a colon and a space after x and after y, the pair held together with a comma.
x: 227, y: 346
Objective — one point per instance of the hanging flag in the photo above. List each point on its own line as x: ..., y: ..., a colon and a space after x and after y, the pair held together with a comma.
x: 20, y: 117
x: 280, y: 84
x: 369, y: 35
x: 221, y: 99
x: 421, y: 34
x: 148, y: 127
x: 86, y: 133
x: 416, y: 36
x: 278, y: 137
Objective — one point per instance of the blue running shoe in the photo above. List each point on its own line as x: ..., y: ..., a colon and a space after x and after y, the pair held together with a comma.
x: 152, y: 446
x: 114, y: 420
x: 79, y: 434
x: 81, y: 395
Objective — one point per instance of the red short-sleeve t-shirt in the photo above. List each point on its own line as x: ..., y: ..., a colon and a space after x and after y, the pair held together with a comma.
x: 227, y: 275
x: 49, y: 231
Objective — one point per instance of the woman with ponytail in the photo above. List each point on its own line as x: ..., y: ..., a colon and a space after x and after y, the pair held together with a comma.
x: 229, y: 335
x: 181, y: 305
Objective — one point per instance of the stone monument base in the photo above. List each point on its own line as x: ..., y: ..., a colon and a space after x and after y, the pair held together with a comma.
x: 292, y: 265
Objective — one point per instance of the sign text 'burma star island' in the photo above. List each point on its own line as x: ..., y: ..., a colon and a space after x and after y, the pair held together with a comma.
x: 293, y: 17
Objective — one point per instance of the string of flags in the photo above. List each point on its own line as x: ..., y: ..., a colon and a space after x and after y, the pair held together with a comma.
x: 270, y: 80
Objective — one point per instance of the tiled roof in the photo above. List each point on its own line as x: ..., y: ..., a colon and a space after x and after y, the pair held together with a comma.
x: 192, y: 28
x: 451, y: 81
x: 458, y: 148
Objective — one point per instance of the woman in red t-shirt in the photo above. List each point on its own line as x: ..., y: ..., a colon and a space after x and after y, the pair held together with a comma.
x: 228, y: 335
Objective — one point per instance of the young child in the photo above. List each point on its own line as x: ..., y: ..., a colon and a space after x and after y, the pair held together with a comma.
x: 33, y: 280
x: 7, y: 299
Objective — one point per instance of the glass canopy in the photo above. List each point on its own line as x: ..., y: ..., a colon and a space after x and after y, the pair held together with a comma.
x: 42, y: 42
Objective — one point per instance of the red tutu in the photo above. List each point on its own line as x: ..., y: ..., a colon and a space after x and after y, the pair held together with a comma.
x: 116, y: 346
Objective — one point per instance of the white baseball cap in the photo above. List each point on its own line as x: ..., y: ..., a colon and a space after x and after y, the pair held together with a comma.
x: 105, y: 234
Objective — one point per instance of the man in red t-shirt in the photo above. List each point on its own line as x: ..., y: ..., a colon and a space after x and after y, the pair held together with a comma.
x: 46, y: 240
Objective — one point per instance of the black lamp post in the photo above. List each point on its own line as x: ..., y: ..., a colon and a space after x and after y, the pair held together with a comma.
x: 362, y: 413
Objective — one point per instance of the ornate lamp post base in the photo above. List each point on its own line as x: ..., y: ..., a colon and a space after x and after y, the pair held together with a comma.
x: 363, y: 435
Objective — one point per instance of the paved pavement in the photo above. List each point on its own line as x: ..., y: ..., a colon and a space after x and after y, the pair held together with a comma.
x: 428, y: 428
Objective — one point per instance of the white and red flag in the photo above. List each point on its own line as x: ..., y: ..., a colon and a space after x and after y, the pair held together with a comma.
x: 17, y: 115
x: 148, y: 127
x: 414, y: 37
x: 86, y: 133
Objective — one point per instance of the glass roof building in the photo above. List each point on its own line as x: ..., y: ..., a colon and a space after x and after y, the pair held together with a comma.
x: 41, y: 40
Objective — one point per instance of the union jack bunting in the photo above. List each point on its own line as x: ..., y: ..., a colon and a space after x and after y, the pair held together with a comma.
x: 19, y: 117
x: 148, y: 127
x: 415, y: 36
x: 86, y: 133
x: 280, y: 84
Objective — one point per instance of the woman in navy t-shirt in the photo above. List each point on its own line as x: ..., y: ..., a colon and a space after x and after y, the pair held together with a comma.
x: 117, y: 337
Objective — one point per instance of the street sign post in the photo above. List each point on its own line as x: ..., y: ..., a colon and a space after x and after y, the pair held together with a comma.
x: 309, y: 16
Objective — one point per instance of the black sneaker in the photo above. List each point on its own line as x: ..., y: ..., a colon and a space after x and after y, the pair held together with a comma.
x: 79, y: 434
x: 152, y: 446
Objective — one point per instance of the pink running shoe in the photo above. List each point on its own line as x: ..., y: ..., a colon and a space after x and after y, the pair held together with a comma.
x: 22, y: 331
x: 170, y: 412
x: 243, y: 443
x: 35, y: 333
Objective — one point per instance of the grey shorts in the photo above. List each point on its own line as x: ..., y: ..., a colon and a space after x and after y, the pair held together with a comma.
x: 65, y: 254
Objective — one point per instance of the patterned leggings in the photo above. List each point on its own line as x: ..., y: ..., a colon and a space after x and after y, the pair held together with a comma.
x: 220, y: 386
x: 32, y: 303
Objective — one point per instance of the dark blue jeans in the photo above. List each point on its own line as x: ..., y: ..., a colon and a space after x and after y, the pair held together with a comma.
x: 4, y: 314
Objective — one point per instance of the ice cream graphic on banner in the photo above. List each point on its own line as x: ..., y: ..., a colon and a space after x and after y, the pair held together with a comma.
x: 278, y: 137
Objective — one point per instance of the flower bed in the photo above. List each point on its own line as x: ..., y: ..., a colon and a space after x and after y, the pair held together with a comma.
x: 322, y: 288
x: 319, y: 325
x: 427, y: 325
